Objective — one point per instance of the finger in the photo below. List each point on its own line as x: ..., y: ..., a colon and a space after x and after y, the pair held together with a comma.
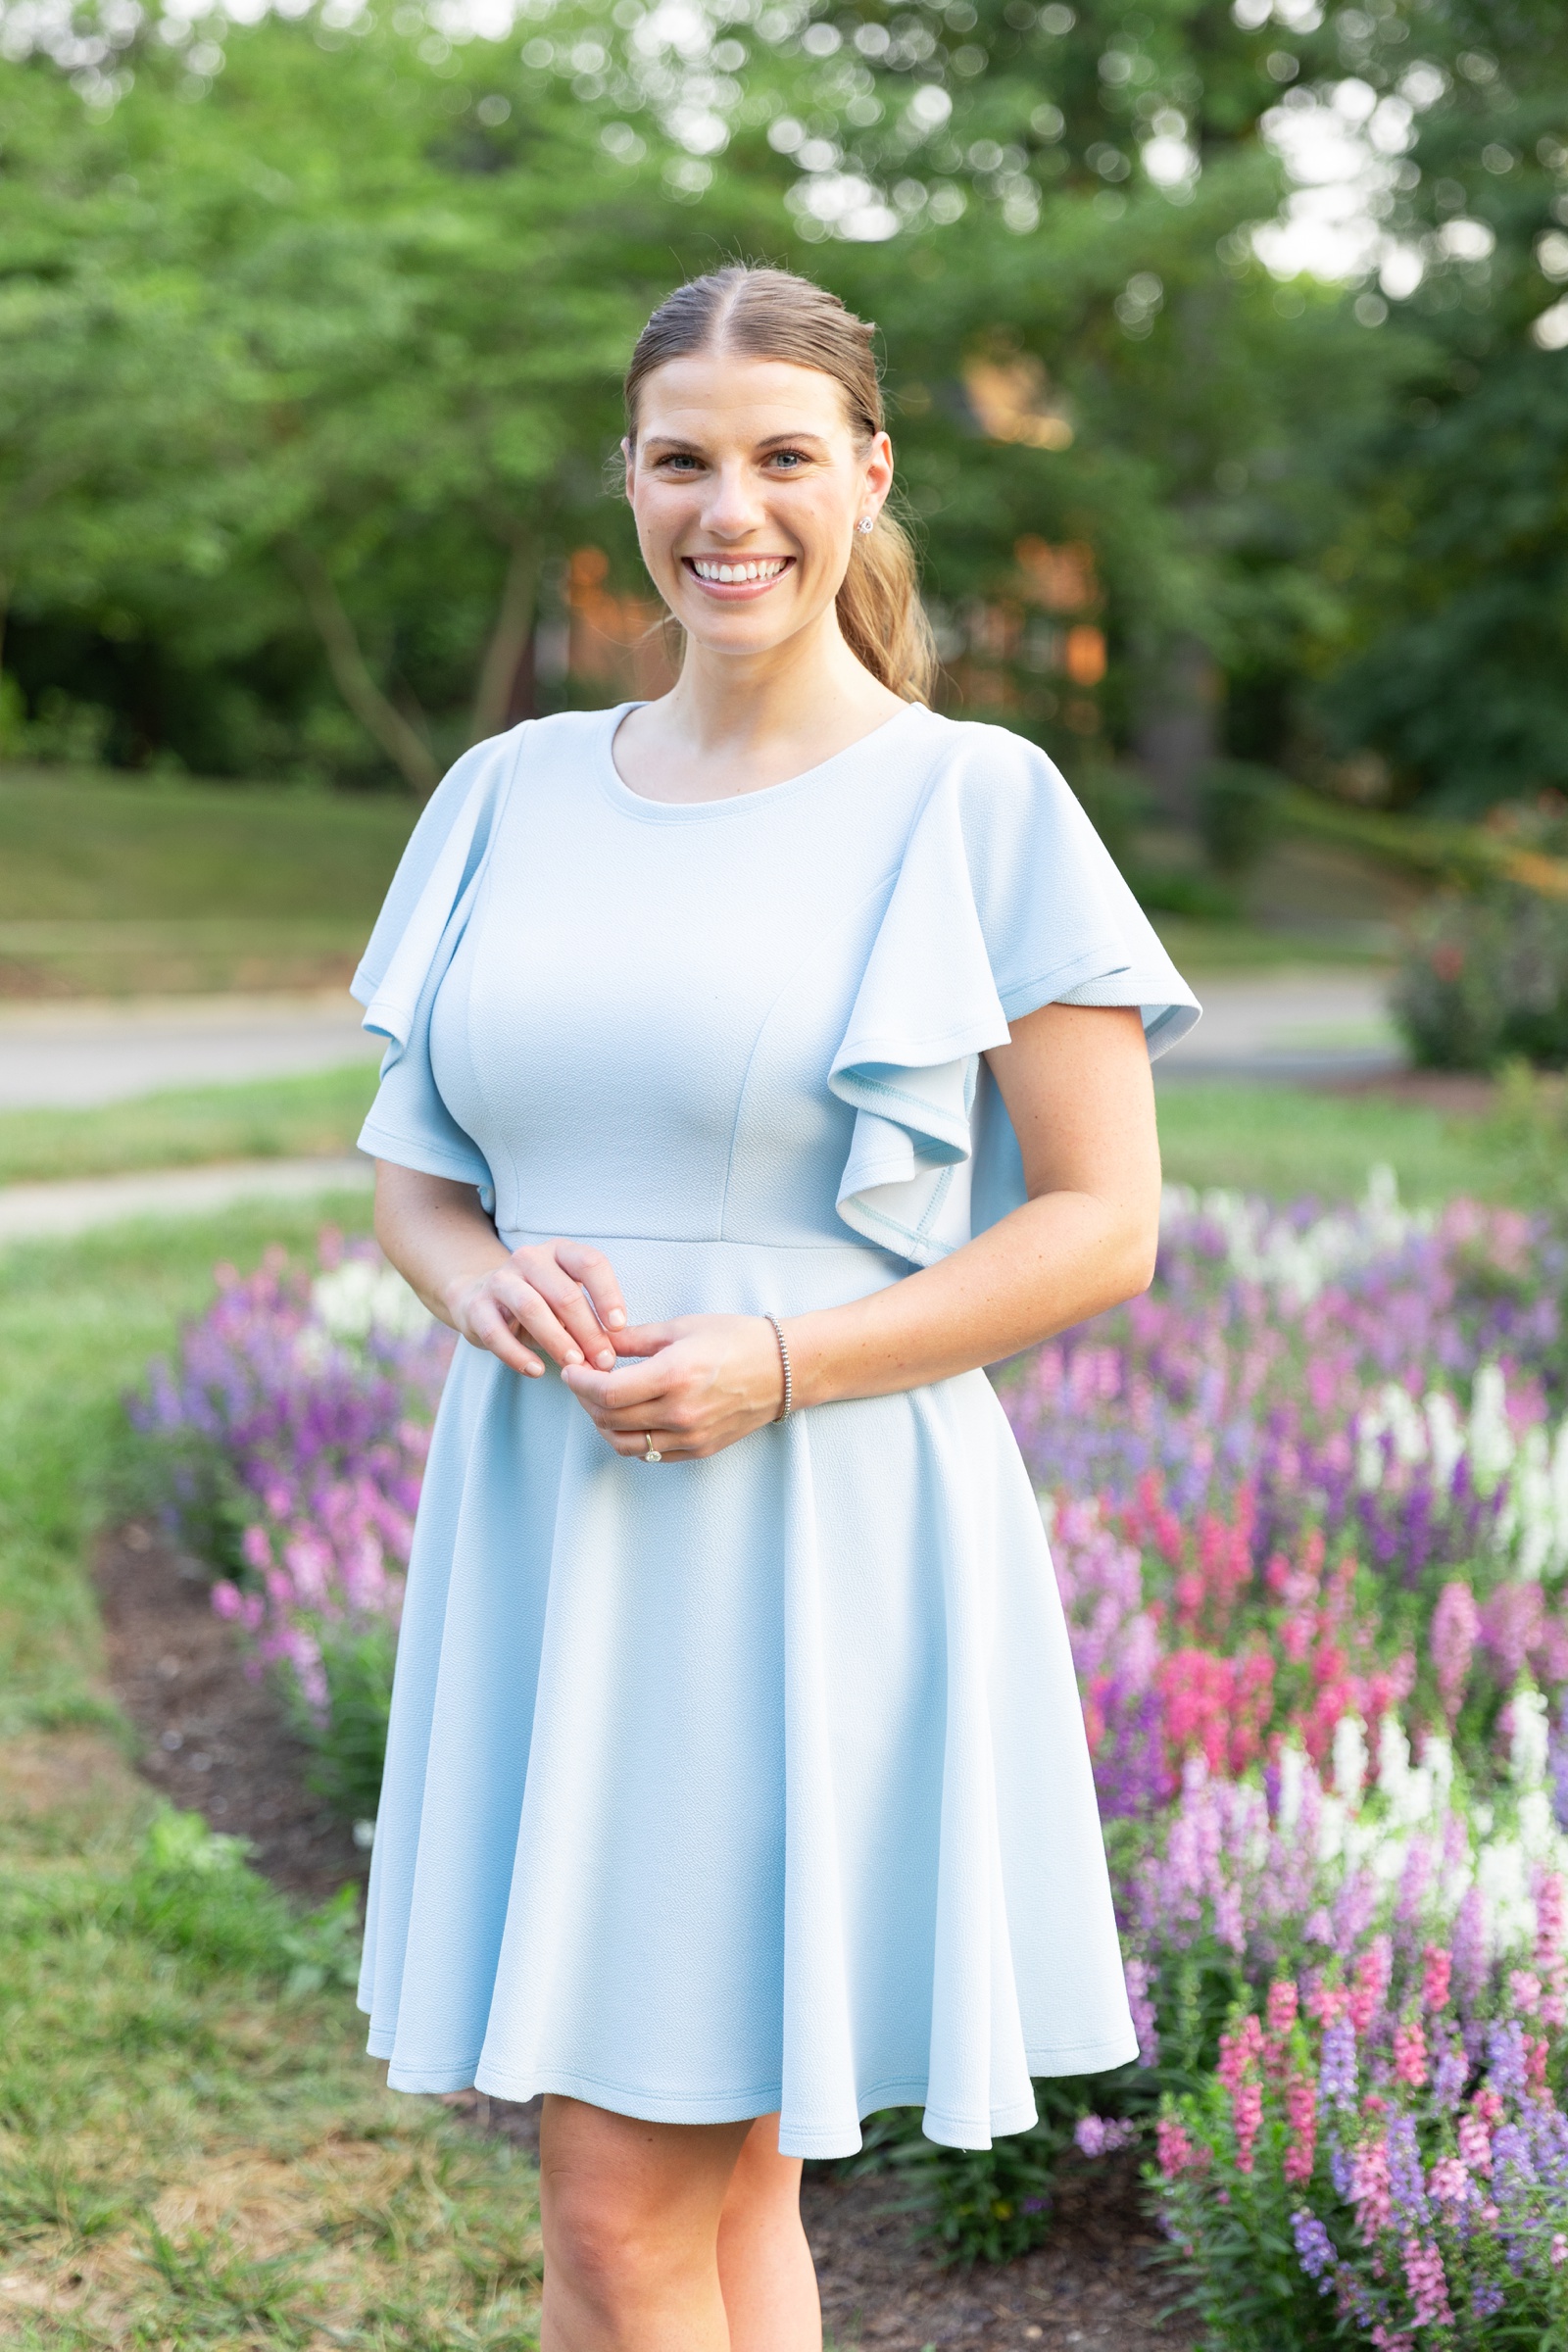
x: 523, y: 1303
x: 489, y: 1327
x: 632, y: 1444
x: 646, y: 1339
x: 631, y: 1389
x: 569, y: 1305
x: 593, y: 1269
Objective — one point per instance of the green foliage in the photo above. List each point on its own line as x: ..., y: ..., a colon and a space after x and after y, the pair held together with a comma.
x: 350, y: 1745
x: 193, y: 1892
x: 1236, y: 2259
x: 1485, y: 978
x: 1240, y: 815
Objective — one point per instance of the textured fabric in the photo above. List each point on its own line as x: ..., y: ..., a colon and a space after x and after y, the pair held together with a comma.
x: 758, y: 1782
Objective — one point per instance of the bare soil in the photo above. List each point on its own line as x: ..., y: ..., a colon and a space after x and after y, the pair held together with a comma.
x: 220, y: 1742
x: 215, y: 1742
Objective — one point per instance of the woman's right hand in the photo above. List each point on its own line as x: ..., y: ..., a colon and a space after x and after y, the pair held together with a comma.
x: 561, y: 1296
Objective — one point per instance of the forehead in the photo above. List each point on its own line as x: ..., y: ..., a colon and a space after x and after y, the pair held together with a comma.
x: 716, y: 395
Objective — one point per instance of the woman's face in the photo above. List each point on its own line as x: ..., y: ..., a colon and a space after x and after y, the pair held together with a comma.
x: 749, y: 469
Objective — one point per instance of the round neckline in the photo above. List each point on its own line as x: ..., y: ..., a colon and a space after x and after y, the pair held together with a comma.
x: 637, y: 804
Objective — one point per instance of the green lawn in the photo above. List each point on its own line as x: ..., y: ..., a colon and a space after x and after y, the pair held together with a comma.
x: 125, y: 886
x: 191, y: 2153
x: 269, y: 1118
x: 1289, y: 1140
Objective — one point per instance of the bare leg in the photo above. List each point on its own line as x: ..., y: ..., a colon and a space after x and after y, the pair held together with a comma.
x: 631, y: 2215
x: 764, y: 2264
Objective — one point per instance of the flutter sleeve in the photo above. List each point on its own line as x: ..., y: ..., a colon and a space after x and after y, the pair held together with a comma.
x: 410, y: 953
x: 1006, y: 899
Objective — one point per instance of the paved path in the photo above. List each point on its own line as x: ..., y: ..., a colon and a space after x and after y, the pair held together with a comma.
x: 70, y: 1056
x: 1294, y: 1023
x: 43, y: 1211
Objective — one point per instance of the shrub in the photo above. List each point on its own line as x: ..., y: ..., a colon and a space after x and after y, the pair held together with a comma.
x: 1484, y: 977
x: 192, y: 1891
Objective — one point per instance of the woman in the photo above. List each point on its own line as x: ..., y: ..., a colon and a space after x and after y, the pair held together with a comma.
x: 764, y: 1061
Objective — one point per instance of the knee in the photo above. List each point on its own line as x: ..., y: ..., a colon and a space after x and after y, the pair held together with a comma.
x: 610, y: 2254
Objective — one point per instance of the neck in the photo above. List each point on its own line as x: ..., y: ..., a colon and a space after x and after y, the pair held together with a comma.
x: 725, y: 702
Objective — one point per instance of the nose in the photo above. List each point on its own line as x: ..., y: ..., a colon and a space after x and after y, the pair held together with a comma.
x: 732, y: 509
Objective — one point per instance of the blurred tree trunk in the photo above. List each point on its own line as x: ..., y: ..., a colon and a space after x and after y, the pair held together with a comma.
x: 380, y: 719
x: 511, y: 640
x: 1176, y: 732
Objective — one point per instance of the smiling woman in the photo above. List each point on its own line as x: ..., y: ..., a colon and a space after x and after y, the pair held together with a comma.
x: 764, y: 1061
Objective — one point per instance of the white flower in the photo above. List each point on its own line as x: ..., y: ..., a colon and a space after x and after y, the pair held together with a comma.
x: 1350, y: 1758
x: 360, y: 1296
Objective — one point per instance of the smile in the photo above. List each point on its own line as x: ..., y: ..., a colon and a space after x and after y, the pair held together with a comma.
x: 745, y: 575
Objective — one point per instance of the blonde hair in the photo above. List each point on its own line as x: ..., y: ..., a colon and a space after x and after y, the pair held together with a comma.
x: 773, y: 315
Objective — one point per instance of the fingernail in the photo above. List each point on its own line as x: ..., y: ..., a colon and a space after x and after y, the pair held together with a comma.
x: 573, y: 1358
x: 606, y: 1360
x: 615, y: 1318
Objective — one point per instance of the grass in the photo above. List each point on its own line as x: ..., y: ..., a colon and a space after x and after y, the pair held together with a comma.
x: 266, y: 1118
x: 126, y: 886
x: 1290, y: 1139
x: 192, y: 2154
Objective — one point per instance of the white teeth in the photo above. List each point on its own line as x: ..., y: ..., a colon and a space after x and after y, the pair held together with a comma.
x: 768, y: 569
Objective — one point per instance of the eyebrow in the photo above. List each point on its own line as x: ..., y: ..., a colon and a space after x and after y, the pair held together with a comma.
x: 673, y: 442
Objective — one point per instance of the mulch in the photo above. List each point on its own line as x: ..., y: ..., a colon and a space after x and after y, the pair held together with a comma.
x: 1457, y: 1094
x: 219, y: 1743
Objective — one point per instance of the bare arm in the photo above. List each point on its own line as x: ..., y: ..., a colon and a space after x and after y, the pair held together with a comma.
x: 1077, y: 1086
x: 562, y: 1295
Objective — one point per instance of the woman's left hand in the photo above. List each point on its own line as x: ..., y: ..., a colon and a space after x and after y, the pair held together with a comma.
x: 705, y: 1381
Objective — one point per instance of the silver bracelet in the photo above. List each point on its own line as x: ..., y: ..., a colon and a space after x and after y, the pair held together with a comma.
x: 784, y: 1359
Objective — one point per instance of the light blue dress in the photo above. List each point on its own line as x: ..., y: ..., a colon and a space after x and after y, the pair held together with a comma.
x: 755, y: 1782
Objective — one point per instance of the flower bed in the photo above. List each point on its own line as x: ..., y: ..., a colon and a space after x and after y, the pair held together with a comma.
x: 1309, y: 1502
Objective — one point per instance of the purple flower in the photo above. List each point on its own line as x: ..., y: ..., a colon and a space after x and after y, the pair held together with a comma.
x: 1315, y: 2249
x: 1336, y: 2082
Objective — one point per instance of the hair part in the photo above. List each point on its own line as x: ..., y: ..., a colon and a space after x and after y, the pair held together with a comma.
x: 773, y: 315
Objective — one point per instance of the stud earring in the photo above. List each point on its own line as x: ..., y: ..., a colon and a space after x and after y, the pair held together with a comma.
x: 868, y: 523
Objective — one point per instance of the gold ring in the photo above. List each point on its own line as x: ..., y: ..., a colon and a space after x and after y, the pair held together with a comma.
x: 653, y: 1453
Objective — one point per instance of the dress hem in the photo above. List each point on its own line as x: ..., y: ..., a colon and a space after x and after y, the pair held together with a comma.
x: 939, y: 2125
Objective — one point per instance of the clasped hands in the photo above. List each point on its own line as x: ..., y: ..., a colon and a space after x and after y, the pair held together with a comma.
x: 702, y: 1381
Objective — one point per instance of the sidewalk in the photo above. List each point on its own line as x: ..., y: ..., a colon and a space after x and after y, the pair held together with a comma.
x: 53, y: 1211
x: 72, y: 1056
x: 1291, y: 1024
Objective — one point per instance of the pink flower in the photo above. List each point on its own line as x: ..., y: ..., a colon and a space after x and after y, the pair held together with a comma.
x: 1369, y: 2186
x: 1436, y: 1970
x: 1282, y: 2003
x: 1239, y: 2052
x: 1372, y: 1972
x: 256, y: 1550
x: 225, y: 1600
x: 1559, y: 2249
x: 1176, y: 2151
x: 1449, y: 2182
x: 1428, y: 2283
x: 1246, y: 2119
x: 1410, y: 2052
x: 1475, y: 2143
x: 1455, y: 1623
x: 1524, y: 1991
x: 1300, y: 2113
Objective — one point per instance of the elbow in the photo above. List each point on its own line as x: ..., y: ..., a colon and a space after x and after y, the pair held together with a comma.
x: 1138, y: 1256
